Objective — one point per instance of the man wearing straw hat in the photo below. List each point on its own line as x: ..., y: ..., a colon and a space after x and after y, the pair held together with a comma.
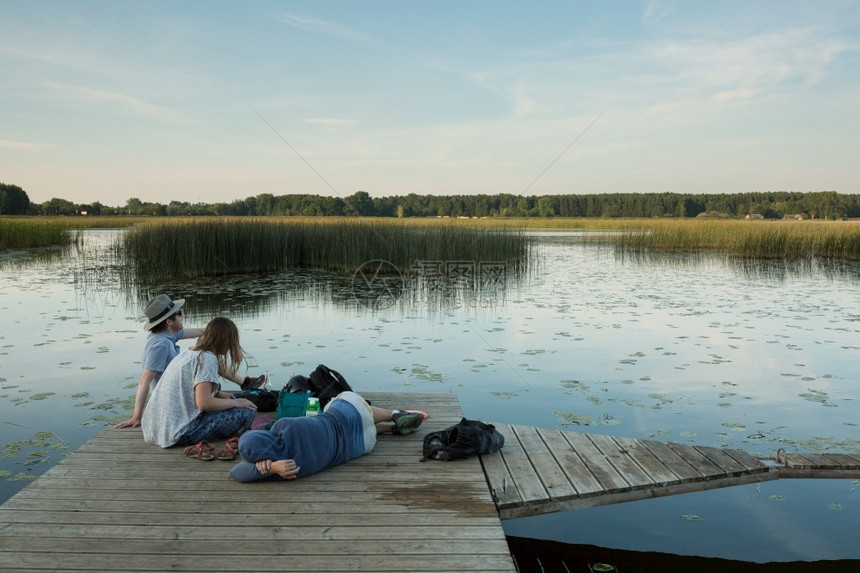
x: 164, y: 324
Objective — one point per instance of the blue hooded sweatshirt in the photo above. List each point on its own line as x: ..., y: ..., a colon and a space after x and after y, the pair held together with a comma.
x: 315, y: 443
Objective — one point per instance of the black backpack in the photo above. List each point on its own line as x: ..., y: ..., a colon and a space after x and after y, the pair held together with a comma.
x: 467, y: 438
x: 325, y: 384
x: 265, y: 400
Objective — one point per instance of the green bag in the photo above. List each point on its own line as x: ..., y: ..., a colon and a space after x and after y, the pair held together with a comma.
x: 291, y: 404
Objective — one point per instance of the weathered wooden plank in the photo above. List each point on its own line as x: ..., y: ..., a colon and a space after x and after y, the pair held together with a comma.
x: 522, y: 473
x: 228, y: 561
x: 597, y: 464
x: 753, y: 464
x: 845, y: 461
x: 798, y: 461
x: 543, y: 461
x: 199, y: 492
x: 254, y: 547
x: 671, y: 460
x: 656, y: 471
x: 696, y: 460
x: 822, y: 461
x: 576, y: 471
x: 155, y: 519
x: 293, y: 531
x: 722, y: 460
x: 441, y: 503
x: 502, y: 486
x: 621, y: 460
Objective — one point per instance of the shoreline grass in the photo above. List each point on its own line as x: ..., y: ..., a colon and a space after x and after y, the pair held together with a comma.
x: 777, y: 239
x: 34, y: 232
x: 832, y: 240
x: 791, y: 240
x: 214, y: 247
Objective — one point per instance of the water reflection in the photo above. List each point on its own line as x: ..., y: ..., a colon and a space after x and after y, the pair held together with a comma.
x: 98, y: 271
x: 249, y: 295
x: 769, y: 270
x: 23, y: 259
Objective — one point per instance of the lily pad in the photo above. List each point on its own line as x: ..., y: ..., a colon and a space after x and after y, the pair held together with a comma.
x: 573, y: 419
x: 505, y: 395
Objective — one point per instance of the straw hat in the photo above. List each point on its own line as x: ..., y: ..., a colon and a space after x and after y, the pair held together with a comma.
x: 160, y: 308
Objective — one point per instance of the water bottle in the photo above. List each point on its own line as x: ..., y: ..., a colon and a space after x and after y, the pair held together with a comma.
x: 313, y: 406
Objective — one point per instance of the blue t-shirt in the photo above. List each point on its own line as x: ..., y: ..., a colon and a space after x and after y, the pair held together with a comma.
x: 160, y: 348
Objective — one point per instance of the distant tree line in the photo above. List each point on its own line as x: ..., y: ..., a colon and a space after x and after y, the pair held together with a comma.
x: 770, y: 205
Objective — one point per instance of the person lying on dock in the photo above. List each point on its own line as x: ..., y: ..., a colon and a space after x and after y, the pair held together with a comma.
x: 301, y: 446
x: 165, y: 327
x: 187, y: 406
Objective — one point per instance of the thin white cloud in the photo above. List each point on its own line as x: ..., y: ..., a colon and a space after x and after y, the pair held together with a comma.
x: 55, y: 57
x: 330, y: 121
x: 747, y: 67
x: 124, y: 102
x: 325, y: 28
x: 22, y: 145
x: 653, y: 12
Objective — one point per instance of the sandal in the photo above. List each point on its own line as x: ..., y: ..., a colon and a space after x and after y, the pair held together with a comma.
x: 228, y: 454
x: 201, y: 451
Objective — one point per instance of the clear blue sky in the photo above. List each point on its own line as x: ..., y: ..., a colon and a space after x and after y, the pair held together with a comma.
x: 214, y: 101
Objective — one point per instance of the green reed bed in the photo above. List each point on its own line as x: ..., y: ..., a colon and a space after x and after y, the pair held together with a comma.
x: 214, y: 247
x: 31, y: 232
x: 106, y: 222
x: 754, y: 239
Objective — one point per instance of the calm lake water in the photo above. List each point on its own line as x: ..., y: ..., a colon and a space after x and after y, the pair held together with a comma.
x: 696, y: 350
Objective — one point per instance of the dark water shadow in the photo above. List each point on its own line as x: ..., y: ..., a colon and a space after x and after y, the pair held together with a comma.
x: 539, y: 555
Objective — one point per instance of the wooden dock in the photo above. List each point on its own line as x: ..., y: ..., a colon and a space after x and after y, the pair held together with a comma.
x: 120, y: 504
x: 542, y: 471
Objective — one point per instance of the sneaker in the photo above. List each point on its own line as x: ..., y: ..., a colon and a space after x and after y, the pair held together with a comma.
x: 253, y: 383
x: 406, y: 422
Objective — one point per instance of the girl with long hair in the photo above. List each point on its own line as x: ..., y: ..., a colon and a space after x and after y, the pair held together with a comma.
x: 187, y: 407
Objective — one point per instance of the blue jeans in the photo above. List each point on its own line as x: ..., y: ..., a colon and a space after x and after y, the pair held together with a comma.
x: 215, y: 425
